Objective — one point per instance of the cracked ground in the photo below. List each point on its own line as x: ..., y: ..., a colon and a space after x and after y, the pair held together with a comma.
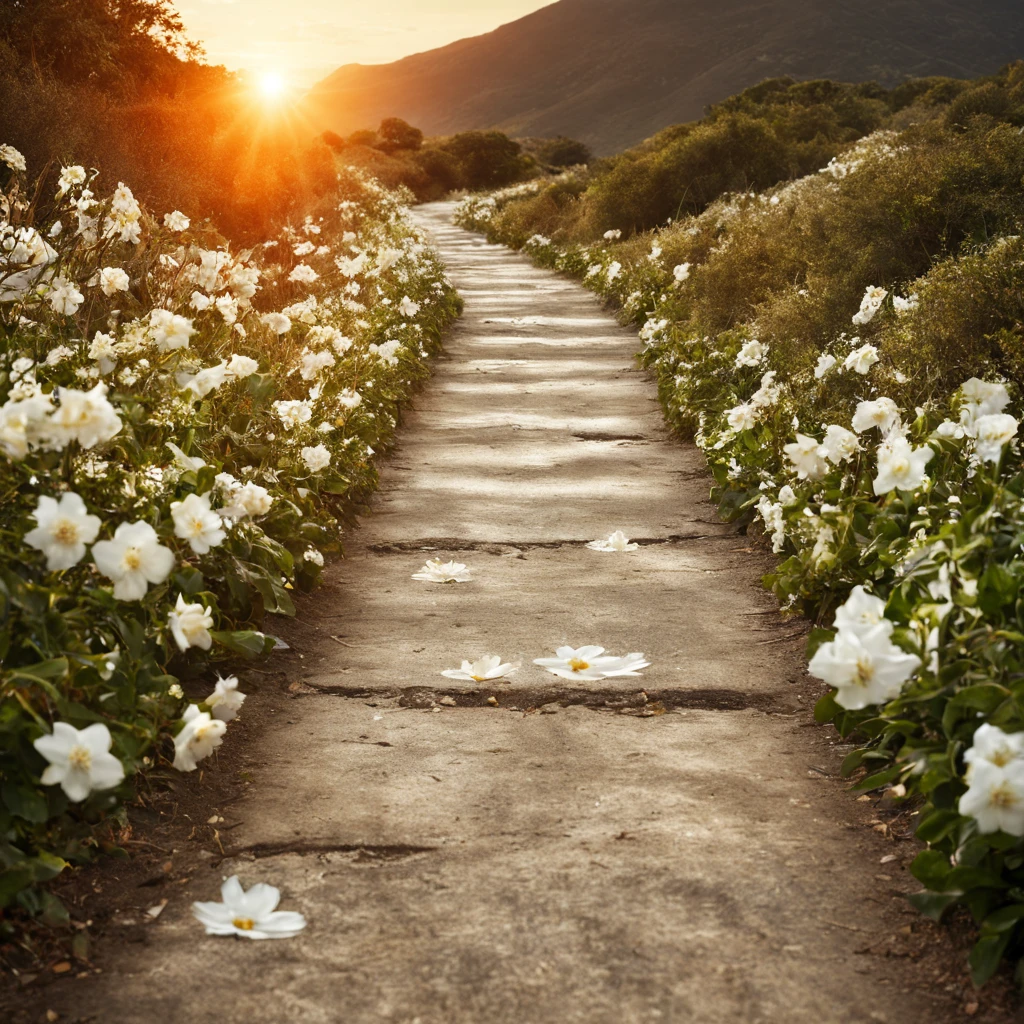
x: 674, y: 848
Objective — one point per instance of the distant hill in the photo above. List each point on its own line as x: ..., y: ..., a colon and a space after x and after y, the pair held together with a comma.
x: 612, y: 72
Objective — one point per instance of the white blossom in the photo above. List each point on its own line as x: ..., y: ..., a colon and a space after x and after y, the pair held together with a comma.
x: 133, y: 559
x: 190, y: 624
x: 80, y: 761
x: 200, y: 735
x: 64, y: 529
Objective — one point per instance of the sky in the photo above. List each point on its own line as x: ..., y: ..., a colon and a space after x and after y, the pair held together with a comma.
x: 305, y: 40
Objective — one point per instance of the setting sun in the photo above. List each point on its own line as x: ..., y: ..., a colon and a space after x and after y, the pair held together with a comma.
x: 272, y: 85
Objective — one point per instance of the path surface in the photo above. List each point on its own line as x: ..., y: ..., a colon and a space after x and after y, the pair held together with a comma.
x: 600, y: 859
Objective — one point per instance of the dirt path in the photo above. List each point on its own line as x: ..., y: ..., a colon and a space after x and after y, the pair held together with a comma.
x: 601, y: 859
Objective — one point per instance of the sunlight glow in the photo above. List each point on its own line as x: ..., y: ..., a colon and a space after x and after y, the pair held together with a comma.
x: 272, y: 85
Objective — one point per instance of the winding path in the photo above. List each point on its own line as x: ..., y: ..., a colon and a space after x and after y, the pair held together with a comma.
x: 574, y: 853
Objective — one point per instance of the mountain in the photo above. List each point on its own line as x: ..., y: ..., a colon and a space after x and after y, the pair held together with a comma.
x: 612, y: 72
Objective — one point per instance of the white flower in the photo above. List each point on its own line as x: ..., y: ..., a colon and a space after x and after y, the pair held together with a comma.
x: 618, y: 541
x: 64, y: 297
x: 189, y: 463
x: 751, y: 354
x: 992, y: 433
x: 198, y: 738
x: 865, y: 668
x: 905, y: 305
x: 590, y: 662
x: 199, y: 301
x: 614, y: 269
x: 883, y: 413
x: 251, y: 915
x: 84, y: 416
x: 168, y: 331
x: 995, y: 797
x: 195, y: 522
x: 277, y: 322
x: 205, y: 381
x: 302, y: 273
x: 408, y: 308
x: 860, y: 360
x: 609, y: 236
x: 80, y: 760
x: 65, y: 528
x: 293, y: 413
x: 250, y: 500
x: 226, y: 700
x: 807, y: 457
x: 488, y: 667
x: 314, y: 556
x: 840, y: 444
x: 901, y: 466
x: 242, y: 366
x: 772, y: 515
x: 349, y: 399
x: 313, y: 362
x: 861, y: 613
x: 992, y: 745
x: 787, y: 496
x: 870, y: 305
x: 113, y: 280
x: 436, y: 571
x: 123, y: 219
x: 176, y: 221
x: 387, y: 353
x: 742, y: 417
x: 133, y: 559
x: 69, y: 177
x: 10, y: 156
x: 227, y: 306
x: 190, y: 624
x: 681, y: 272
x: 981, y: 398
x: 316, y: 458
x: 767, y: 394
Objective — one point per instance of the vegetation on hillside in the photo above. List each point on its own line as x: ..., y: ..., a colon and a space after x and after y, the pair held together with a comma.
x: 776, y: 131
x: 398, y: 155
x: 847, y: 348
x: 115, y: 84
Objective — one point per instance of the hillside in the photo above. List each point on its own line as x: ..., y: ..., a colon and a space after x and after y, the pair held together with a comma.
x: 611, y: 72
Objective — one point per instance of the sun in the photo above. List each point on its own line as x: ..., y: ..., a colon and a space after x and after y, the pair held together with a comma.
x: 272, y: 85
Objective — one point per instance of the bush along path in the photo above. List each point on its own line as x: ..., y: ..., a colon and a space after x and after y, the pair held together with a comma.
x: 856, y: 390
x: 182, y: 430
x: 649, y: 832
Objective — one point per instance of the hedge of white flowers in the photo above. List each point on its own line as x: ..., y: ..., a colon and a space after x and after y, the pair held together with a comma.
x: 183, y: 430
x: 898, y: 520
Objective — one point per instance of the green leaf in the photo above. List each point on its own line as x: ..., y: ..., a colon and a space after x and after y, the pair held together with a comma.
x: 933, y: 904
x: 987, y: 955
x: 826, y: 709
x: 246, y: 642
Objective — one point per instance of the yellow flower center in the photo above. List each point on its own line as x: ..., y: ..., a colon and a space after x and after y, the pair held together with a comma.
x: 197, y: 525
x: 1003, y: 796
x: 132, y: 560
x: 80, y: 758
x: 65, y: 532
x: 1001, y: 758
x: 900, y: 466
x: 245, y: 924
x: 865, y: 671
x: 578, y: 665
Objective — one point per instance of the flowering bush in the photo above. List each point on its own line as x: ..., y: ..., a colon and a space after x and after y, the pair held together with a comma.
x: 856, y: 392
x: 182, y: 428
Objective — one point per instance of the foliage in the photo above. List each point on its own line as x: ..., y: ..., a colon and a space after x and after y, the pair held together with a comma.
x: 258, y: 382
x: 114, y: 84
x: 773, y: 132
x: 779, y: 325
x: 397, y: 156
